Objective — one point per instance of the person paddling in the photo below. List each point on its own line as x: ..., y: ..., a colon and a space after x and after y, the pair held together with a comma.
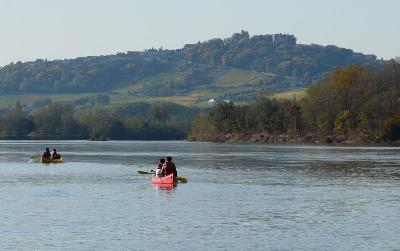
x: 55, y: 155
x: 46, y: 154
x: 169, y: 167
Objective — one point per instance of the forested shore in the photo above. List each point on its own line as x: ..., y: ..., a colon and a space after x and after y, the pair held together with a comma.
x: 355, y: 104
x: 136, y: 121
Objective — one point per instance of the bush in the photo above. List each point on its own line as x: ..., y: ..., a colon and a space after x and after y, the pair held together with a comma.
x: 391, y: 129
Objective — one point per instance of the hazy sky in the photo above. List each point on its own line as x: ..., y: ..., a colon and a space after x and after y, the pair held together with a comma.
x: 58, y: 29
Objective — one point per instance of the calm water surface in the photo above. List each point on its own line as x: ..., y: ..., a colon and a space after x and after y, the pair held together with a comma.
x: 239, y: 197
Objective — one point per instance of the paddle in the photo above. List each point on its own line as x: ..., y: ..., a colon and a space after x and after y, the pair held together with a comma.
x: 34, y: 159
x: 180, y: 179
x: 144, y: 172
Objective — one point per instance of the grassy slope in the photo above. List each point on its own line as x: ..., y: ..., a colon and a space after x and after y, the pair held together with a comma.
x: 121, y: 98
x: 28, y: 99
x: 224, y: 80
x: 298, y: 93
x: 177, y: 77
x: 238, y: 78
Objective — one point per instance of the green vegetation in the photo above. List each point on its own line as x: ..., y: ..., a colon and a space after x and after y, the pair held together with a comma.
x: 236, y: 68
x: 356, y: 104
x: 353, y: 104
x: 278, y: 54
x: 291, y: 94
x: 156, y: 94
x: 101, y: 122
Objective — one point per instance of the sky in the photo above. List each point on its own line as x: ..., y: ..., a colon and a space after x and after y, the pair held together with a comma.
x: 58, y: 29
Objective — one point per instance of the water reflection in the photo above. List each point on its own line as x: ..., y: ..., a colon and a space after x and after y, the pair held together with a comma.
x: 167, y: 187
x: 369, y: 171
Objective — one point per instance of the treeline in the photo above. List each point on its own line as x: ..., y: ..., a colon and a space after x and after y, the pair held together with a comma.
x: 256, y: 121
x: 354, y: 104
x: 278, y: 54
x: 89, y: 74
x: 356, y: 101
x: 138, y: 121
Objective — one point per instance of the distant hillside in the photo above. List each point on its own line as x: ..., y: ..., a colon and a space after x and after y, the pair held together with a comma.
x: 278, y: 54
x: 236, y: 68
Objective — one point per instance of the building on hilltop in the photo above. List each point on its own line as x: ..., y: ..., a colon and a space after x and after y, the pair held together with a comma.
x: 262, y: 39
x: 279, y: 39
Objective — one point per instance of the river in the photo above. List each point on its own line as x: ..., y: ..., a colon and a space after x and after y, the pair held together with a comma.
x: 238, y: 197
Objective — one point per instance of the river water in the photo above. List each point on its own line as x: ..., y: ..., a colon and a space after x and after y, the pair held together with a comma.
x: 238, y: 197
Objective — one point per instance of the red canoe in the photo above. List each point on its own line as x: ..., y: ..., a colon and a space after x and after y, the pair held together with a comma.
x: 167, y: 180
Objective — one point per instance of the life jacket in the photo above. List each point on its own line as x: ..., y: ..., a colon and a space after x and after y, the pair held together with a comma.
x: 46, y: 155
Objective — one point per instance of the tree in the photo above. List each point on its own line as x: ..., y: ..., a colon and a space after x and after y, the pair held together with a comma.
x: 16, y: 124
x: 391, y: 129
x: 56, y: 121
x: 199, y: 126
x: 222, y: 117
x: 343, y: 122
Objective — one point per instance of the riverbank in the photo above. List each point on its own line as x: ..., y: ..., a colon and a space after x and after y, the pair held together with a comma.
x: 285, y: 138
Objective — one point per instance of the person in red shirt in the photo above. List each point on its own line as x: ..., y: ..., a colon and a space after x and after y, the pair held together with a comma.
x: 169, y: 167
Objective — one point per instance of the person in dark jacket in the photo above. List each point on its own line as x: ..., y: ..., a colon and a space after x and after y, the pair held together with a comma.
x: 46, y: 154
x: 55, y: 155
x: 170, y: 167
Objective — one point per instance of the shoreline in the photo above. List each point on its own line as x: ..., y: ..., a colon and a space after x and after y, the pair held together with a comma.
x: 257, y: 138
x: 264, y: 138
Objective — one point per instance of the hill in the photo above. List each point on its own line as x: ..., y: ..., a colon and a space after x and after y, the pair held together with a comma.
x: 235, y: 68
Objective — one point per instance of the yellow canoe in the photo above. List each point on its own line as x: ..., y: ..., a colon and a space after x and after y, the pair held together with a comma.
x: 50, y: 160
